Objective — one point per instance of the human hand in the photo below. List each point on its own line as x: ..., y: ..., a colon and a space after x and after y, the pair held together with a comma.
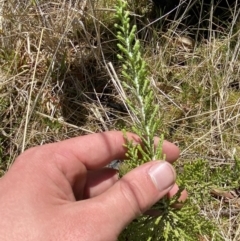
x: 62, y: 191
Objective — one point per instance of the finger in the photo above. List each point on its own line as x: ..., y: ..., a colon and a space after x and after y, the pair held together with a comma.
x: 174, y: 190
x: 135, y: 193
x: 183, y: 196
x: 170, y: 150
x: 97, y: 150
x: 178, y: 205
x: 98, y: 181
x: 94, y: 151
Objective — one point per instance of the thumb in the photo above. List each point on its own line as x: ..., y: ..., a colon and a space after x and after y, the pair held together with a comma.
x: 136, y: 192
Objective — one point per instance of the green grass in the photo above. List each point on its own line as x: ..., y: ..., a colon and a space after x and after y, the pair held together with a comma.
x: 56, y: 83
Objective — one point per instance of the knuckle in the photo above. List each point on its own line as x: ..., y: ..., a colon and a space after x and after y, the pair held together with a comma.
x: 23, y: 157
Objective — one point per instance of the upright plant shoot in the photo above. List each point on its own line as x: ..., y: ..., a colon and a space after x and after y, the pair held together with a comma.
x: 137, y: 84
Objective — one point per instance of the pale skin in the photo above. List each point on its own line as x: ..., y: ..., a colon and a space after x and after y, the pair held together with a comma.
x: 62, y: 191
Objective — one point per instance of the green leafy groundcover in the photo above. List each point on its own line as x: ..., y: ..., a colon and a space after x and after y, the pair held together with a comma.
x: 187, y: 223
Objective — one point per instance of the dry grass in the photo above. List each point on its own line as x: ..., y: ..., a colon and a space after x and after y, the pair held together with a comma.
x: 56, y: 83
x: 53, y: 74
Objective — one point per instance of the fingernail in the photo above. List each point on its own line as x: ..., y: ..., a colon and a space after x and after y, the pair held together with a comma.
x: 163, y: 175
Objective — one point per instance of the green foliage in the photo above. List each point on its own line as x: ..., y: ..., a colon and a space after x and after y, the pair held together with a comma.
x: 135, y: 73
x: 199, y: 178
x: 185, y: 223
x: 172, y: 224
x: 168, y: 222
x: 52, y: 124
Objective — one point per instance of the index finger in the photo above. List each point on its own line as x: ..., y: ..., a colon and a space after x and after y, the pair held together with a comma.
x: 97, y: 150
